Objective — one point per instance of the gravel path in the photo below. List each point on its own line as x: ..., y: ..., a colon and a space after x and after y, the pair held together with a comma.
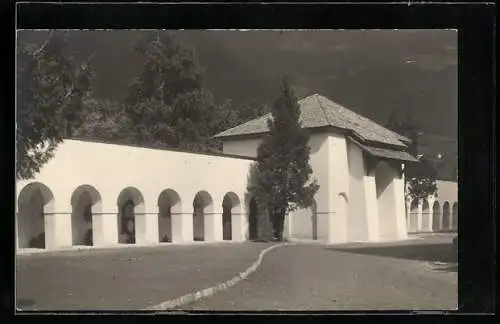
x: 126, y: 278
x: 350, y: 277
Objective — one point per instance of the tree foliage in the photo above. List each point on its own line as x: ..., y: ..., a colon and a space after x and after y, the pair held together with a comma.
x: 281, y: 181
x: 168, y: 103
x: 420, y: 177
x: 50, y: 91
x: 103, y: 120
x: 249, y: 111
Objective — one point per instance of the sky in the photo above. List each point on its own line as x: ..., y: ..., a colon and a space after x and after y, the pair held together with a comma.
x: 371, y: 72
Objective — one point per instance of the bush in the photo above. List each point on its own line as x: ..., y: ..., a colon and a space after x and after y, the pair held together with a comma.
x: 88, y: 238
x: 38, y: 241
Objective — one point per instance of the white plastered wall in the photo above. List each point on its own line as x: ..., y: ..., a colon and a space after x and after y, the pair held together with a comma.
x: 242, y: 147
x: 112, y: 168
x: 301, y: 222
x: 338, y: 186
x: 389, y: 184
x: 357, y: 222
x: 339, y: 167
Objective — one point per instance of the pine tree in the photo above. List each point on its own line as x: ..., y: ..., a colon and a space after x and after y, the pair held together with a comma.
x: 168, y: 103
x: 281, y: 181
x: 51, y: 88
x: 420, y: 177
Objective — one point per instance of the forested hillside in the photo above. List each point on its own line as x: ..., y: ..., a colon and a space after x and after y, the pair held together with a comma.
x: 372, y: 73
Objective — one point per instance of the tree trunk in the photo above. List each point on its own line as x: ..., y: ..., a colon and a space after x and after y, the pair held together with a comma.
x: 275, y: 223
x: 278, y: 221
x: 281, y: 220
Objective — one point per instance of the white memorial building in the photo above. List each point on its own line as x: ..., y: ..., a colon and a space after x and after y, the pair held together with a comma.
x: 101, y: 194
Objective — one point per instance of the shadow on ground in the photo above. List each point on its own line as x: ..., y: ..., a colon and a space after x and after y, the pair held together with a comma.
x: 439, y: 252
x: 447, y: 268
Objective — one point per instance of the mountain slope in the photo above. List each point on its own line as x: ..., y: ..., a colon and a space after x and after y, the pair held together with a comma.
x: 369, y: 72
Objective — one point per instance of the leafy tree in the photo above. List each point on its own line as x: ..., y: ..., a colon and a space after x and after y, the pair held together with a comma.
x: 51, y: 88
x: 103, y: 120
x: 168, y: 103
x: 282, y: 181
x: 420, y: 177
x: 421, y: 180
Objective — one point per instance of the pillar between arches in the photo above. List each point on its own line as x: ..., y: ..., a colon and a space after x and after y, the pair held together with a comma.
x: 419, y: 216
x: 182, y: 227
x: 238, y: 225
x: 105, y: 225
x: 57, y: 230
x: 431, y: 201
x: 213, y: 225
x: 57, y: 225
x: 146, y: 228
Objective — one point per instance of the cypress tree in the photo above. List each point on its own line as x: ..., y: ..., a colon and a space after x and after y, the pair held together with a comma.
x: 281, y: 180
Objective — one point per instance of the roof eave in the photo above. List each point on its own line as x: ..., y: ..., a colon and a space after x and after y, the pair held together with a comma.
x: 345, y: 131
x: 366, y: 147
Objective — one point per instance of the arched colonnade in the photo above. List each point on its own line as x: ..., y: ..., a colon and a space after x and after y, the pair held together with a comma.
x: 202, y: 217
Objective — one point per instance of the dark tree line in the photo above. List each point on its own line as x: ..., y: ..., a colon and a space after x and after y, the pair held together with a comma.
x: 168, y: 104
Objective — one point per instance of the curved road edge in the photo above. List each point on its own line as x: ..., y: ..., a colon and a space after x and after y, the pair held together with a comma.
x: 192, y: 297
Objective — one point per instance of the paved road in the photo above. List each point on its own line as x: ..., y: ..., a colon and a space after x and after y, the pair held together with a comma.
x: 347, y: 277
x: 126, y: 278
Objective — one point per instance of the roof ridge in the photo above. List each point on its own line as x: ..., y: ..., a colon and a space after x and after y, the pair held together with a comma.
x: 363, y: 117
x: 330, y: 114
x: 316, y: 96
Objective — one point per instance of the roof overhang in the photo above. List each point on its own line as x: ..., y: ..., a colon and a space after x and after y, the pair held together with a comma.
x: 386, y: 153
x: 355, y: 137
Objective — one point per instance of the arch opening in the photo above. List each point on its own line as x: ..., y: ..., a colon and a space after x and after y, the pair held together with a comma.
x: 202, y: 205
x: 446, y: 216
x: 169, y: 202
x: 85, y: 202
x: 252, y: 219
x: 130, y: 204
x: 436, y: 216
x: 384, y: 175
x: 35, y: 201
x: 230, y: 207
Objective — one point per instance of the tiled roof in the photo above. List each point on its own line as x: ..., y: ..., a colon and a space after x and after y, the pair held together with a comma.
x: 318, y: 111
x: 386, y: 153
